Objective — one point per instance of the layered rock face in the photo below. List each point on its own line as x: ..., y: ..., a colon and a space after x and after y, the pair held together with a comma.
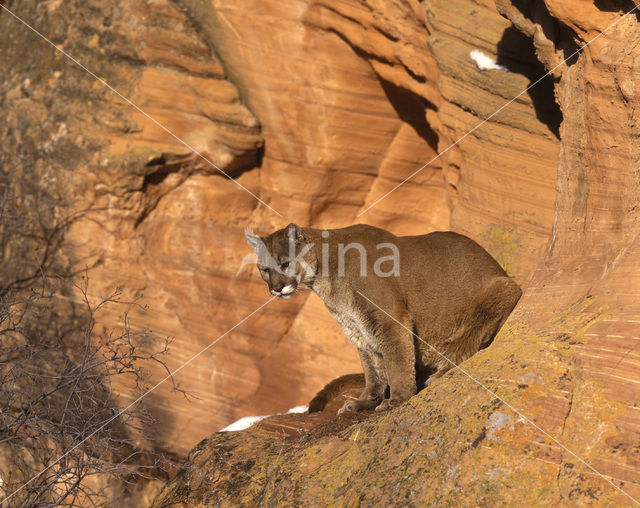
x: 549, y: 412
x: 589, y: 270
x: 315, y: 110
x: 498, y: 163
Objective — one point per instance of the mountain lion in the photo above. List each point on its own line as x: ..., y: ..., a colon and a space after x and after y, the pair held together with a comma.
x: 413, y: 305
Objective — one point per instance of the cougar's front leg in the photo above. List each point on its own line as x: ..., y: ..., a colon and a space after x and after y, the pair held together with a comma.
x: 375, y: 384
x: 398, y: 354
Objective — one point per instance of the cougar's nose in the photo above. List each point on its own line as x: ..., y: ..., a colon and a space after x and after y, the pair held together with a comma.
x: 277, y: 287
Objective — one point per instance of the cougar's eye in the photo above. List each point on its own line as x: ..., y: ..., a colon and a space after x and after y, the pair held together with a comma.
x: 285, y: 265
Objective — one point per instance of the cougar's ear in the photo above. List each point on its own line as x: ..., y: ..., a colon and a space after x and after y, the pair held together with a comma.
x: 294, y: 232
x: 254, y: 241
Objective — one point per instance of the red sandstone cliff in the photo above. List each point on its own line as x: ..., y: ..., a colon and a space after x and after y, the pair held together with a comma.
x: 318, y: 119
x: 319, y: 108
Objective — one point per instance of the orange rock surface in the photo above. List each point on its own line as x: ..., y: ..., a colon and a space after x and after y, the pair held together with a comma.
x: 319, y: 115
x: 549, y: 413
x: 319, y: 108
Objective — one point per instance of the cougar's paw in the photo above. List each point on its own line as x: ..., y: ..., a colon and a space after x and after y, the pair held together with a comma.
x: 388, y: 404
x: 358, y: 405
x: 349, y: 406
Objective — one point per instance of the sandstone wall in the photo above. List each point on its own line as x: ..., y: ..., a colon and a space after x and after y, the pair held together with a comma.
x: 552, y: 417
x: 319, y: 108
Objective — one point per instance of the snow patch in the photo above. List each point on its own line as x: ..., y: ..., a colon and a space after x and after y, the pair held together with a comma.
x: 247, y: 421
x: 243, y: 423
x: 298, y: 409
x: 485, y: 62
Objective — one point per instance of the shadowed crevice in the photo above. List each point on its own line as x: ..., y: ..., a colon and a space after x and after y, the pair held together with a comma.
x: 411, y: 109
x: 517, y: 52
x: 563, y: 37
x: 621, y: 6
x: 167, y: 172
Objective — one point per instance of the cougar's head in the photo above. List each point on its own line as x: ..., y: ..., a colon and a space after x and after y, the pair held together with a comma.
x: 281, y: 259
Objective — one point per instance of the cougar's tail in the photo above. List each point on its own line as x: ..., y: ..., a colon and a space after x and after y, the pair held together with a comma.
x: 335, y: 388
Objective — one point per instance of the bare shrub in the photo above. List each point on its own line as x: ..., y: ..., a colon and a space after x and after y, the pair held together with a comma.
x: 65, y: 436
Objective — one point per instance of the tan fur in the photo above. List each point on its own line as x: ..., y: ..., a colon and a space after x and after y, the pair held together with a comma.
x: 450, y: 293
x: 334, y: 389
